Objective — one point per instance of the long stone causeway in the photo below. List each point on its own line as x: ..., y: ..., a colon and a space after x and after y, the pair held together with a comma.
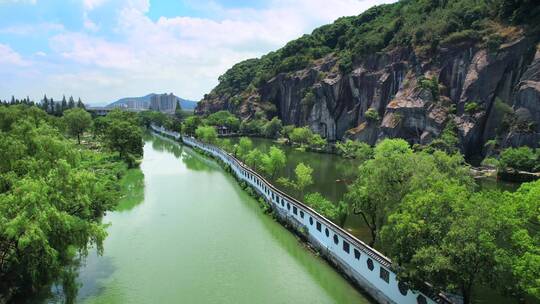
x: 363, y: 265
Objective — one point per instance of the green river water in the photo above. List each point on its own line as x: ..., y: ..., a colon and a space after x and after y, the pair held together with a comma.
x: 187, y: 233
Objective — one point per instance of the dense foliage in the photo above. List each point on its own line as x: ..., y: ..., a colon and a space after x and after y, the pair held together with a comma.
x: 53, y: 194
x: 121, y: 132
x: 303, y: 177
x: 206, y: 134
x: 354, y: 149
x: 334, y: 212
x: 170, y: 122
x: 424, y: 26
x: 77, y: 121
x: 425, y: 212
x: 522, y: 158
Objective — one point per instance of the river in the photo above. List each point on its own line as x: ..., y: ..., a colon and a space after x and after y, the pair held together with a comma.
x: 193, y: 236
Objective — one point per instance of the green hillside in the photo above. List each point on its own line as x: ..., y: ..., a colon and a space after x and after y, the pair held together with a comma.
x: 426, y: 26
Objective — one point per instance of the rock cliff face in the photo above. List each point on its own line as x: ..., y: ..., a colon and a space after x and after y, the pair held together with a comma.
x: 488, y: 94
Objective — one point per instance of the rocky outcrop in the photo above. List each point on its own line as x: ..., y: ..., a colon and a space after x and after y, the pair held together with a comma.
x: 469, y: 82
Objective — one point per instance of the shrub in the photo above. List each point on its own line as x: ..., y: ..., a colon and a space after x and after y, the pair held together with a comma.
x: 345, y: 62
x: 287, y: 130
x: 355, y: 149
x: 430, y: 84
x: 448, y: 140
x: 467, y: 35
x: 522, y: 158
x: 490, y: 162
x: 317, y: 142
x: 301, y: 135
x: 471, y: 107
x: 309, y: 98
x: 372, y: 115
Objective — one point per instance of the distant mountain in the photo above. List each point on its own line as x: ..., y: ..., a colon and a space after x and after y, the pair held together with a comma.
x: 143, y: 102
x: 187, y: 104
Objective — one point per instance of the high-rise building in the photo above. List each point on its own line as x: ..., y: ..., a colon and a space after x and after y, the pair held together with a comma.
x: 165, y: 103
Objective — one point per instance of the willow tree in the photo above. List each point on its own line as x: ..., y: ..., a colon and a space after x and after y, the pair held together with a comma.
x: 303, y: 177
x: 52, y: 197
x: 274, y: 161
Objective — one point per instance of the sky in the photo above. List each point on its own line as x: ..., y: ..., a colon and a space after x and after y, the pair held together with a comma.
x: 103, y: 50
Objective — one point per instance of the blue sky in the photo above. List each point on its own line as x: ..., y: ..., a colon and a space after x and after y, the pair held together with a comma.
x: 102, y: 50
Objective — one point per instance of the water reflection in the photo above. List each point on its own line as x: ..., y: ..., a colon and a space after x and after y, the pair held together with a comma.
x: 132, y: 185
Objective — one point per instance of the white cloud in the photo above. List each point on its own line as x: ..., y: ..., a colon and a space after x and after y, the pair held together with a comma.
x: 184, y: 55
x: 8, y: 57
x: 89, y: 24
x: 92, y: 4
x: 34, y: 29
x: 93, y: 51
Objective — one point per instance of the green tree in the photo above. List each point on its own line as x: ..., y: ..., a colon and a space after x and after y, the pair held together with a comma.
x: 349, y: 148
x: 124, y: 137
x: 287, y: 130
x: 448, y: 140
x: 207, y: 134
x: 519, y: 253
x: 71, y: 103
x: 63, y: 105
x: 45, y: 104
x: 224, y: 118
x: 80, y: 104
x: 191, y: 124
x: 226, y: 145
x: 254, y: 159
x: 272, y: 128
x: 78, y: 121
x: 52, y: 197
x: 522, y: 158
x: 155, y: 117
x: 253, y: 127
x: 274, y: 161
x: 471, y: 107
x: 303, y: 178
x: 244, y: 146
x: 301, y: 136
x: 99, y: 126
x: 382, y: 182
x: 450, y: 238
x: 336, y: 213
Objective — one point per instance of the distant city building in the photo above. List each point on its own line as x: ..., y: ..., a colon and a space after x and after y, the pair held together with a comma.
x: 165, y: 103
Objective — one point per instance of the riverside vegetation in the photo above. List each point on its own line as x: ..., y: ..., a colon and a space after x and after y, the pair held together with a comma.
x: 422, y: 208
x: 54, y: 192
